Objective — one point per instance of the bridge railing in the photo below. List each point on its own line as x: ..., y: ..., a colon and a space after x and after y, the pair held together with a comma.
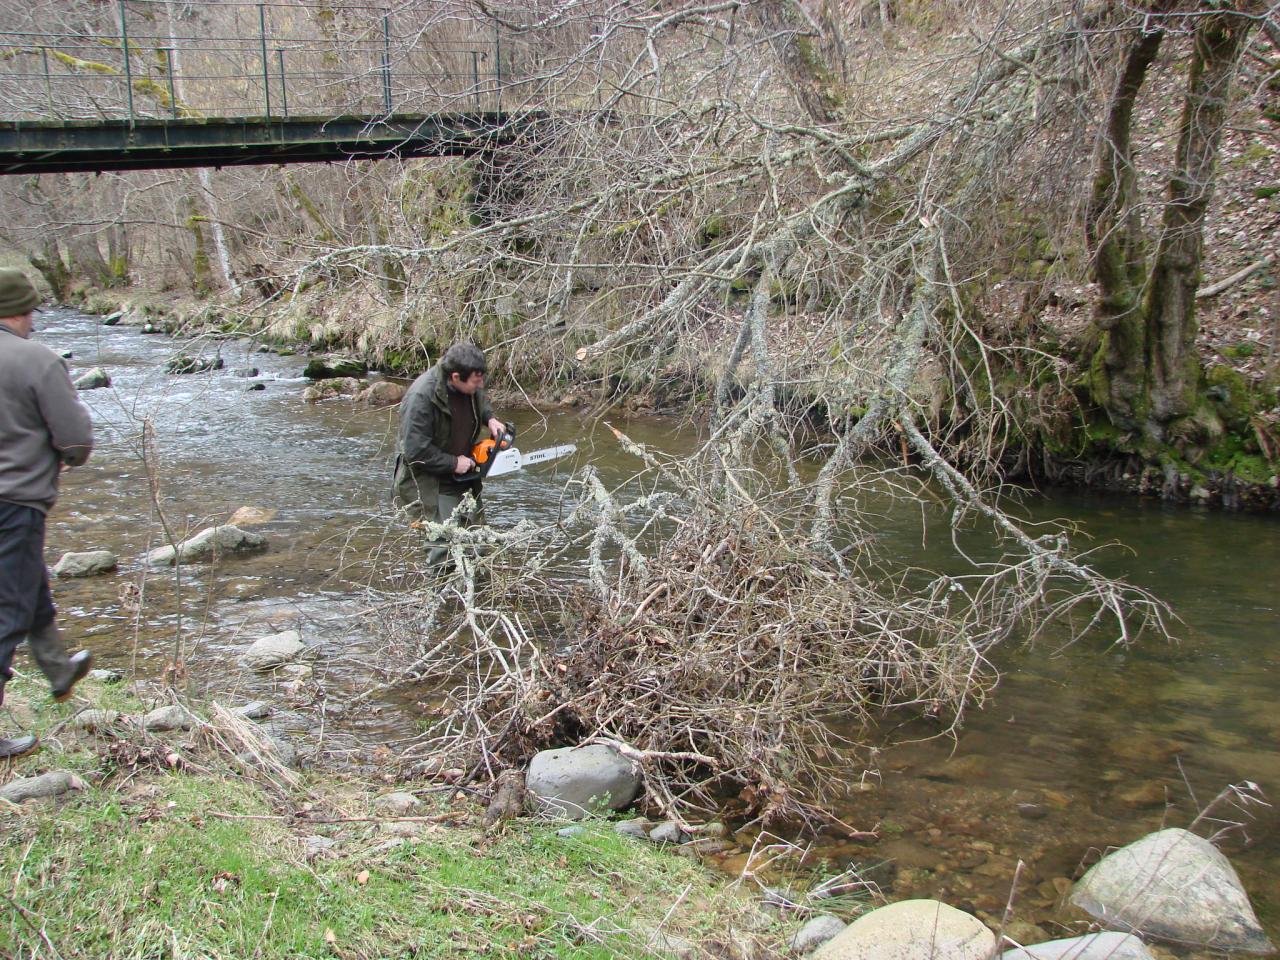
x: 263, y: 59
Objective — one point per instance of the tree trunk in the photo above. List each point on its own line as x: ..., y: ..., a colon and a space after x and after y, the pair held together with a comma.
x: 118, y: 254
x: 53, y: 268
x: 795, y: 43
x: 1114, y: 232
x: 1173, y: 363
x: 86, y: 258
x: 1146, y: 372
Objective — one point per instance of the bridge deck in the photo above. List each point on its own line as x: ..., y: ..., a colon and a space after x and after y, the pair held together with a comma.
x: 54, y: 146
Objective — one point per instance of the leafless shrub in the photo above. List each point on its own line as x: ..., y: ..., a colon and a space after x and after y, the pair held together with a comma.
x: 715, y: 642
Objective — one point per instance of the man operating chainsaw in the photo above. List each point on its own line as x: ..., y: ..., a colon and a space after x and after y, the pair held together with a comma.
x: 441, y: 419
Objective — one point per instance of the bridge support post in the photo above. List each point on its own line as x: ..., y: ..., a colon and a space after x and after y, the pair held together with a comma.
x: 124, y: 48
x: 386, y: 63
x: 262, y: 38
x: 48, y: 80
x: 173, y: 96
x: 284, y: 86
x: 497, y: 63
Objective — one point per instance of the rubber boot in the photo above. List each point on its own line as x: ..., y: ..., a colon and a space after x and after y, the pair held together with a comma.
x: 62, y: 672
x: 18, y: 745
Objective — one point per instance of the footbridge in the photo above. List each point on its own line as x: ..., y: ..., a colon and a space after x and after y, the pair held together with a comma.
x: 147, y: 84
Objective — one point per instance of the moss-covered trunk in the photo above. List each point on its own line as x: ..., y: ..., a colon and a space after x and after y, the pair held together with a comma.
x: 1172, y: 360
x: 1145, y: 373
x: 1114, y: 229
x: 53, y: 268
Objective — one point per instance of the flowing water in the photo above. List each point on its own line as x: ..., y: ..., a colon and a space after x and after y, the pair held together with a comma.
x: 1079, y: 748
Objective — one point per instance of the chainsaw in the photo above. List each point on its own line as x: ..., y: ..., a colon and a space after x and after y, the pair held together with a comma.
x: 495, y: 456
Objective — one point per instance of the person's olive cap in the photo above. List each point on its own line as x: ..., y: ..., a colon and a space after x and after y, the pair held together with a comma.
x: 17, y: 295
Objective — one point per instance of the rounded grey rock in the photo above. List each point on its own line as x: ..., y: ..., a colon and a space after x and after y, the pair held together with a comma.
x: 816, y: 932
x: 1108, y: 945
x: 208, y: 544
x: 397, y: 804
x: 1176, y: 886
x: 267, y: 653
x: 911, y: 930
x: 172, y: 717
x: 573, y: 782
x: 638, y: 828
x: 668, y: 832
x: 87, y: 564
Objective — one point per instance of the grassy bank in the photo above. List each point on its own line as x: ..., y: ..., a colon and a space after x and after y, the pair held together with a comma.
x: 172, y: 848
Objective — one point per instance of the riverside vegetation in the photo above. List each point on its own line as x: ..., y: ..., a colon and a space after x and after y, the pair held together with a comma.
x: 172, y: 845
x: 861, y: 293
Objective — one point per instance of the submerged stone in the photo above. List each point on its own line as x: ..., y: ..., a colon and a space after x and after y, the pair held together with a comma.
x: 207, y: 545
x: 270, y: 652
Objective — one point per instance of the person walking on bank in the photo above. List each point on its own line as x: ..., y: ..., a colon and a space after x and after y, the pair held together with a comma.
x: 441, y: 418
x: 43, y: 429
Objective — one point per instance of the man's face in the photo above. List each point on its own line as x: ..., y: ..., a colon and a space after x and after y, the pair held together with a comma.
x: 469, y: 385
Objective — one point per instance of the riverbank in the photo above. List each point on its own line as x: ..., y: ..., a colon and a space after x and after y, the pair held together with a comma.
x: 1104, y: 726
x: 1240, y: 472
x: 168, y: 843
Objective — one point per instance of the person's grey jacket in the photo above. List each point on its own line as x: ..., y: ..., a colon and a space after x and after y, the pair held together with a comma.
x: 43, y: 424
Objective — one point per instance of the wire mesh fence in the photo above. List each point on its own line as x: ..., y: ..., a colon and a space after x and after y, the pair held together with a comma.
x: 136, y: 59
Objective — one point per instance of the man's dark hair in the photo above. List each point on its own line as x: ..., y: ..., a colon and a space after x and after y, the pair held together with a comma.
x: 464, y: 359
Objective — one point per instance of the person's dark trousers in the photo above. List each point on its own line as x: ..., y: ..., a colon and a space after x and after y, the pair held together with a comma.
x: 26, y: 605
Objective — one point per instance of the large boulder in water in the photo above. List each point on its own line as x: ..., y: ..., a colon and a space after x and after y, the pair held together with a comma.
x: 384, y: 393
x: 329, y: 368
x: 208, y: 544
x: 335, y: 387
x: 94, y: 379
x: 911, y: 930
x: 1175, y: 886
x: 575, y: 781
x: 267, y: 653
x: 87, y: 564
x: 183, y: 363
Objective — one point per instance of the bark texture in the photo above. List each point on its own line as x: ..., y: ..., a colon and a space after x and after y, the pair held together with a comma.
x: 1146, y: 373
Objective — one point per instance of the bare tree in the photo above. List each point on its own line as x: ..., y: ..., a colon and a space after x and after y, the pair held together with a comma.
x: 1148, y: 377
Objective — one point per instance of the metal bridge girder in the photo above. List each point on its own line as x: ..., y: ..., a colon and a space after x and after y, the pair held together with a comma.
x: 50, y: 146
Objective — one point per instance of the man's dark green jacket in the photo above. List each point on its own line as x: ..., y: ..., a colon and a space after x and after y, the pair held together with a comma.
x: 426, y: 424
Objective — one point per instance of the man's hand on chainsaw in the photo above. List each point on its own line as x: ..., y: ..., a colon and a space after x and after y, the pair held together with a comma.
x: 496, y: 427
x: 464, y: 465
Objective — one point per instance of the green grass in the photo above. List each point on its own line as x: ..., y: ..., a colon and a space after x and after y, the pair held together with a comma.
x: 155, y: 863
x: 160, y: 876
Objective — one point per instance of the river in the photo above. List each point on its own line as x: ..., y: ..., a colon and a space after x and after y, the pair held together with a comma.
x: 1079, y: 748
